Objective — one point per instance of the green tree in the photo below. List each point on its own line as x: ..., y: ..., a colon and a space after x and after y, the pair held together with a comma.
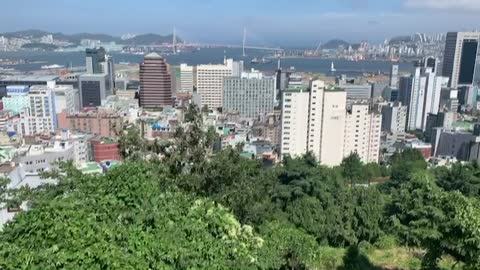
x: 443, y: 223
x: 404, y: 164
x: 124, y: 220
x: 463, y: 178
x: 132, y: 144
x: 352, y: 168
x: 287, y: 247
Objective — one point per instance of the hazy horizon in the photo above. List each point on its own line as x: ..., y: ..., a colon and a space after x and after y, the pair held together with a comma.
x: 269, y: 22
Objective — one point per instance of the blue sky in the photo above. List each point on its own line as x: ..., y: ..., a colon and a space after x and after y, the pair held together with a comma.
x: 269, y: 22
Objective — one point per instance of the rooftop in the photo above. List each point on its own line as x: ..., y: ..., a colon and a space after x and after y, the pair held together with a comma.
x: 298, y: 89
x: 105, y: 140
x: 334, y: 88
x: 153, y: 55
x: 29, y: 78
x: 91, y: 167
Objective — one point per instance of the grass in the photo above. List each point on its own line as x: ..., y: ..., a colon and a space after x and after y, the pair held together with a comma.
x: 396, y: 258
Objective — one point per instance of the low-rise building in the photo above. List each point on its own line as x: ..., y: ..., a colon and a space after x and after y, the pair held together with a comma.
x: 105, y: 149
x: 104, y: 123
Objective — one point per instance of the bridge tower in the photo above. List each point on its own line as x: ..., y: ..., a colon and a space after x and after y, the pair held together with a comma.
x: 244, y: 41
x: 174, y: 41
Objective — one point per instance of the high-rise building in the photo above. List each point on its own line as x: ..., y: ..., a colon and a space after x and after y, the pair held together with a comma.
x: 404, y: 90
x: 394, y: 118
x: 433, y: 63
x: 294, y: 80
x: 461, y: 58
x: 93, y: 89
x: 354, y: 90
x: 295, y: 114
x: 362, y: 133
x: 94, y: 59
x: 155, y: 82
x: 313, y: 119
x: 210, y: 81
x: 468, y: 96
x: 108, y: 68
x: 333, y: 126
x: 421, y: 92
x: 186, y: 78
x: 40, y: 116
x: 252, y: 95
x: 394, y: 76
x: 67, y: 98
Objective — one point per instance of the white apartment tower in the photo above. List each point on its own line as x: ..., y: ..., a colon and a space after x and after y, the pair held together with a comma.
x: 186, y: 78
x: 333, y: 126
x: 40, y: 116
x: 362, y: 133
x: 210, y: 81
x: 394, y: 76
x: 421, y: 92
x: 314, y: 120
x: 295, y: 114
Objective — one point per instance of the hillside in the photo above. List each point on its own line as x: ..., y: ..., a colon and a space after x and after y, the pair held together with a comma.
x: 335, y: 43
x: 142, y: 39
x: 149, y: 39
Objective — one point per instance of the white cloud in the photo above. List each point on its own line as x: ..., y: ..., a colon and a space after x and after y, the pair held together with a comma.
x: 469, y: 5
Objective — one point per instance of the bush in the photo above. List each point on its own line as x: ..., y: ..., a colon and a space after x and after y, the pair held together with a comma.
x: 386, y: 242
x: 366, y: 247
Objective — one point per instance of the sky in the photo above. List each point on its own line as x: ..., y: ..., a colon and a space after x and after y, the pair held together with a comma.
x: 268, y: 22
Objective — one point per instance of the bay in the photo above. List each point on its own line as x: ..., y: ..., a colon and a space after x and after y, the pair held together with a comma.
x: 210, y: 55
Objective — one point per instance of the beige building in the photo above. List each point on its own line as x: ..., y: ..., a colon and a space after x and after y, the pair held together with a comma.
x: 314, y: 120
x: 333, y: 127
x: 210, y: 81
x: 295, y: 112
x: 186, y: 78
x: 362, y: 133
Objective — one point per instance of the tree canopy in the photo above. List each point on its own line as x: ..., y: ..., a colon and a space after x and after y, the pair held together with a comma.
x: 192, y: 208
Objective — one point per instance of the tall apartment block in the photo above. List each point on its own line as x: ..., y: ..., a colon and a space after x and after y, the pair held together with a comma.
x: 251, y: 95
x: 362, y: 133
x: 210, y: 81
x: 314, y: 120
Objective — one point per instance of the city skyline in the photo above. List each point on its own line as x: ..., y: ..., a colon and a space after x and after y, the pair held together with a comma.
x: 269, y: 23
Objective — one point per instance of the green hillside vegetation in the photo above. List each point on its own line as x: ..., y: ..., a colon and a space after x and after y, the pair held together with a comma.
x: 182, y: 206
x: 142, y: 39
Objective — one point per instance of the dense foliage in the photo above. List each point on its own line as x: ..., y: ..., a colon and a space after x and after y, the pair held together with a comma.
x: 180, y: 206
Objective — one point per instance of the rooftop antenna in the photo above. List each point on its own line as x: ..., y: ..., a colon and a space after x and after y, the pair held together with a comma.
x: 174, y: 41
x: 244, y: 40
x: 279, y: 67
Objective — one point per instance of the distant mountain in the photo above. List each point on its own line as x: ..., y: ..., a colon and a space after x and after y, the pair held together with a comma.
x: 101, y: 37
x: 31, y: 33
x: 144, y: 39
x: 335, y: 43
x: 149, y: 39
x: 400, y: 40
